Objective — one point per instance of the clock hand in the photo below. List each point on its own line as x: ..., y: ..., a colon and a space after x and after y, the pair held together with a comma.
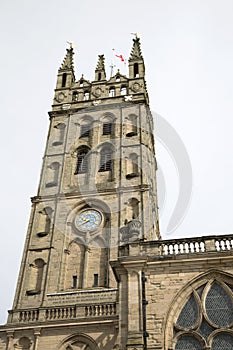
x: 83, y: 222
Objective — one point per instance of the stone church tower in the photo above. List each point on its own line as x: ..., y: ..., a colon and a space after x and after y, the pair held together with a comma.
x: 95, y: 273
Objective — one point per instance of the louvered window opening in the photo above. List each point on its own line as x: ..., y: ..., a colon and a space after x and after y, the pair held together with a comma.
x: 82, y: 165
x: 105, y: 161
x: 107, y: 128
x: 85, y: 131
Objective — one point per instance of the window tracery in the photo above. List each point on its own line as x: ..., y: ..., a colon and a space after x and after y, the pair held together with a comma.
x: 206, y: 319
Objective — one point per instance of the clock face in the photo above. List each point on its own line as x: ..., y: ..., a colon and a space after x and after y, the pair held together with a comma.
x: 88, y: 220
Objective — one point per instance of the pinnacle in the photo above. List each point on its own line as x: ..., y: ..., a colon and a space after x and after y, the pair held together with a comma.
x: 100, y: 65
x: 68, y: 60
x: 136, y: 53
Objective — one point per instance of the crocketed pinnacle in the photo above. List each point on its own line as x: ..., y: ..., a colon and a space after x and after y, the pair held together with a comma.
x: 136, y: 53
x: 100, y: 65
x: 68, y: 62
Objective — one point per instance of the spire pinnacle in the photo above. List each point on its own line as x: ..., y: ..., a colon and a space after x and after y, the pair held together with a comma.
x: 100, y: 73
x: 100, y: 65
x: 68, y: 62
x: 136, y: 53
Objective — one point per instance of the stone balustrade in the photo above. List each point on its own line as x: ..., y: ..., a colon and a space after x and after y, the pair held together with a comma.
x: 66, y: 313
x: 181, y: 246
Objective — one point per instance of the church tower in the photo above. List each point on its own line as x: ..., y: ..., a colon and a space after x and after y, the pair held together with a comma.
x: 97, y: 192
x: 95, y: 273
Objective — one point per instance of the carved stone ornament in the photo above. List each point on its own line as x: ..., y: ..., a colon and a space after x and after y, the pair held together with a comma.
x: 97, y: 92
x: 60, y: 97
x: 131, y: 231
x: 136, y: 87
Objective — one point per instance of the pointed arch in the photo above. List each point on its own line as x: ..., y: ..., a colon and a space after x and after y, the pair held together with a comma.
x: 75, y: 265
x: 23, y: 343
x: 79, y: 341
x: 194, y: 297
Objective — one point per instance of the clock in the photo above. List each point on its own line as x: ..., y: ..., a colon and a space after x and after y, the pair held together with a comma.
x: 88, y: 220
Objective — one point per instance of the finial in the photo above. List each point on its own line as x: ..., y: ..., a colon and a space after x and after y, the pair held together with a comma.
x: 136, y: 35
x: 72, y: 45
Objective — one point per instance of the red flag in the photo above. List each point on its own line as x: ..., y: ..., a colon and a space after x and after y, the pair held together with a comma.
x: 119, y: 56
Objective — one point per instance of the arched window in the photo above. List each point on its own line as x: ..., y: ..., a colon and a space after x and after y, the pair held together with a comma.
x: 105, y: 159
x: 82, y: 160
x: 111, y: 92
x: 75, y: 266
x: 99, y: 76
x: 24, y: 343
x: 206, y: 316
x: 86, y: 95
x: 75, y: 96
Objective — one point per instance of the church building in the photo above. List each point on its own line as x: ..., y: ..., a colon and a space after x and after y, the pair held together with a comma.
x: 96, y: 273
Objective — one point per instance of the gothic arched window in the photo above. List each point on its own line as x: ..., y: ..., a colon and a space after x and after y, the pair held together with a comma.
x: 206, y: 318
x: 82, y: 160
x: 105, y: 159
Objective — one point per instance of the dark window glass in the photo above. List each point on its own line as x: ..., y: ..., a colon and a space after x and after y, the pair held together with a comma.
x: 75, y: 280
x: 96, y: 280
x: 64, y: 77
x: 136, y: 71
x: 223, y: 341
x: 219, y: 306
x: 189, y: 314
x: 188, y: 342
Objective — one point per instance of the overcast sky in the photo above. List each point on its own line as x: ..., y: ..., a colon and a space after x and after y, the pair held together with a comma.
x: 188, y: 51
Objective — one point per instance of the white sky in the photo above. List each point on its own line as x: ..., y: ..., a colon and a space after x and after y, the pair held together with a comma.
x: 188, y: 51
